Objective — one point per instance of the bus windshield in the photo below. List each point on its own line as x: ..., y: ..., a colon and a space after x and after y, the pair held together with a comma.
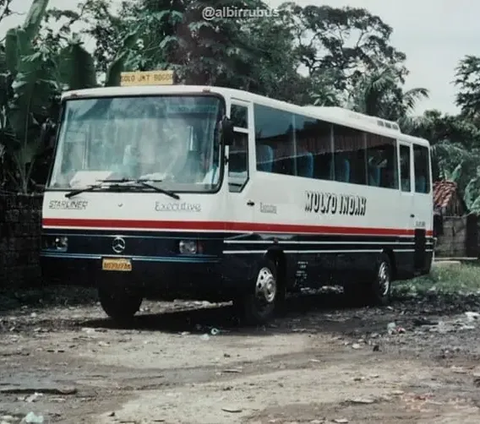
x: 171, y: 140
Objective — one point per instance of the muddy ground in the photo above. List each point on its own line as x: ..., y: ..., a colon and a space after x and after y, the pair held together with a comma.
x: 322, y: 362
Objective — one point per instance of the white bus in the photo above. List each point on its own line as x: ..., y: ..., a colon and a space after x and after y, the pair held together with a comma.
x: 194, y: 192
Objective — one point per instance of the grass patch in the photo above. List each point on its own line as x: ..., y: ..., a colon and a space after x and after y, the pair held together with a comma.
x: 461, y: 279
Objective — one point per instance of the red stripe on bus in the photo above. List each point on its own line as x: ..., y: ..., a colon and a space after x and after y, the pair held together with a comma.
x: 223, y: 226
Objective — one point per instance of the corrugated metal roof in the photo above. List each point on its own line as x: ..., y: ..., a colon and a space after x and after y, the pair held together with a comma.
x: 443, y: 192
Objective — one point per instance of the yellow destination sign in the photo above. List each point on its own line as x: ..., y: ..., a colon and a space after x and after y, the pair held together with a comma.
x: 147, y: 78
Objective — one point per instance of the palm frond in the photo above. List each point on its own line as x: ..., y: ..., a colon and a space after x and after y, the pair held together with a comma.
x: 413, y: 96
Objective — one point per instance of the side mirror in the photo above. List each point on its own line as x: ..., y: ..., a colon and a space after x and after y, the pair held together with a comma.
x: 227, y: 131
x: 48, y: 131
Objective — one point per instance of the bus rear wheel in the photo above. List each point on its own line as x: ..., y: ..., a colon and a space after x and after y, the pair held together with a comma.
x: 376, y: 291
x: 120, y: 304
x: 259, y: 305
x: 380, y: 289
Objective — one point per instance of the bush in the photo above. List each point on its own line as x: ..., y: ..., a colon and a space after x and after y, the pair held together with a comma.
x: 446, y: 278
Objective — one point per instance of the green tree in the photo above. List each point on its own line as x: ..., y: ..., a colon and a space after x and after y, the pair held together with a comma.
x: 5, y: 9
x: 349, y: 40
x: 380, y: 93
x: 467, y: 80
x: 455, y: 151
x: 271, y: 65
x: 172, y: 35
x: 260, y: 55
x: 205, y: 52
x: 438, y: 127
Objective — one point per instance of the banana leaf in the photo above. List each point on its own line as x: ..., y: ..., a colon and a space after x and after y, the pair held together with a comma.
x: 113, y: 77
x: 77, y: 67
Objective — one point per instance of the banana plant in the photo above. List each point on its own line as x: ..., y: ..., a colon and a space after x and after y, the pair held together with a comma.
x: 31, y: 79
x: 27, y: 91
x: 76, y: 68
x: 77, y: 65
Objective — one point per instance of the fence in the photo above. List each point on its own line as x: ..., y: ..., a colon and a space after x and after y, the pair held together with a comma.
x: 20, y: 236
x: 459, y: 237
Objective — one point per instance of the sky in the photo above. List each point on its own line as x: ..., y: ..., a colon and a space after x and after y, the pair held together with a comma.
x: 434, y: 34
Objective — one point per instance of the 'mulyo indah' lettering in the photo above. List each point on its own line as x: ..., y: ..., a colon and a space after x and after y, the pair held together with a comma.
x: 330, y: 203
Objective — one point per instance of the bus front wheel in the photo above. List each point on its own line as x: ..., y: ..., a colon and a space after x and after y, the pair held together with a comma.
x: 119, y: 304
x: 259, y: 305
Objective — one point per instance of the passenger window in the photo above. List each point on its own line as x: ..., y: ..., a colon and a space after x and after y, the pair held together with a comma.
x: 274, y: 140
x: 349, y: 155
x: 381, y: 161
x: 238, y: 162
x: 422, y: 169
x: 313, y: 143
x: 239, y: 116
x: 405, y: 168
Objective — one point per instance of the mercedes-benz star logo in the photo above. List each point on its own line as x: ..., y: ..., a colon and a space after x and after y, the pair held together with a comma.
x: 118, y: 245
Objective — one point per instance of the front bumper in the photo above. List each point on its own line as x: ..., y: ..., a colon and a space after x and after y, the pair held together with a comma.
x: 157, y: 265
x: 167, y: 278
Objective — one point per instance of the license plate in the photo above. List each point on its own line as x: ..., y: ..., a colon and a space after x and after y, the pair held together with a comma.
x: 111, y: 264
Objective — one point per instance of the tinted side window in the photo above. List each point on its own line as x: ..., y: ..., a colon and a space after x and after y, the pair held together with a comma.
x: 405, y: 167
x: 238, y: 162
x: 274, y: 140
x: 239, y: 116
x: 313, y: 141
x: 422, y: 169
x: 381, y: 161
x: 349, y: 155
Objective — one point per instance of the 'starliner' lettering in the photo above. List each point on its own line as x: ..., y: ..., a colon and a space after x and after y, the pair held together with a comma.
x: 78, y: 205
x: 332, y: 203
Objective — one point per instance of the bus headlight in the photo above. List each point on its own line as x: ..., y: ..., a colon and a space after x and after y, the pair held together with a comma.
x: 188, y: 247
x: 55, y: 243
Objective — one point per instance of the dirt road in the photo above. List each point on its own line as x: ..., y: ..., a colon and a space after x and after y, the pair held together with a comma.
x: 186, y: 363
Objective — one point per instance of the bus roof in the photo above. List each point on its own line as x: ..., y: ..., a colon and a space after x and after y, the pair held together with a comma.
x: 335, y: 115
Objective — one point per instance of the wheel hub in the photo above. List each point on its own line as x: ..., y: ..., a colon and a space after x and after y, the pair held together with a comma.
x: 266, y: 286
x: 384, y: 279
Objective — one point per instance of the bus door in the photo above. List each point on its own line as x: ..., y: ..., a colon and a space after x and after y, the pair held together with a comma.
x: 407, y: 207
x: 241, y: 207
x: 423, y: 203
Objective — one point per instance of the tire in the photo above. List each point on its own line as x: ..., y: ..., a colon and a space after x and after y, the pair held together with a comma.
x: 377, y: 291
x: 259, y: 306
x: 120, y: 304
x: 380, y: 289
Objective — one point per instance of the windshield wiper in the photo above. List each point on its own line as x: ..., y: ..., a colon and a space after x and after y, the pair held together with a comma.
x: 93, y: 187
x: 145, y: 182
x: 116, y: 184
x: 82, y: 190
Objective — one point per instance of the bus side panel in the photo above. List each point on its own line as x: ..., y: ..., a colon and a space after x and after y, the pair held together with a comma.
x: 334, y: 231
